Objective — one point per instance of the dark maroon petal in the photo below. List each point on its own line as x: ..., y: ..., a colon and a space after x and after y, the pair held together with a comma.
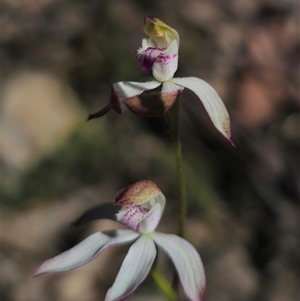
x: 154, y: 104
x: 103, y: 211
x: 115, y: 101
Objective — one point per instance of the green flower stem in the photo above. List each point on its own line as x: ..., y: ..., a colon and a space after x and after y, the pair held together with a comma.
x: 174, y: 124
x: 162, y: 283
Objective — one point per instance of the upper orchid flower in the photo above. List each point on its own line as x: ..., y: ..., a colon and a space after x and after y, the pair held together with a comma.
x: 160, y: 53
x: 139, y: 207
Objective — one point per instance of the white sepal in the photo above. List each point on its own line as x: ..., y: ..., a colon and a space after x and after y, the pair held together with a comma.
x: 211, y: 101
x: 134, y: 269
x: 85, y: 251
x: 187, y: 262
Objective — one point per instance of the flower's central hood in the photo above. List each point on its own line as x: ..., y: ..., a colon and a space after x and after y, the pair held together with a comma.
x: 160, y: 51
x: 160, y: 34
x: 142, y: 206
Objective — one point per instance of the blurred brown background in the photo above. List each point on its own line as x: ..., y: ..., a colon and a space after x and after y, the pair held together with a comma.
x: 59, y: 58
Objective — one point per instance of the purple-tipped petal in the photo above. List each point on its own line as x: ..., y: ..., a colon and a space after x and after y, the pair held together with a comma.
x: 85, y: 251
x: 187, y: 262
x: 134, y: 269
x: 211, y: 101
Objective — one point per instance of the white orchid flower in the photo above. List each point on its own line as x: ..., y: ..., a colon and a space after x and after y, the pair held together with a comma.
x: 139, y: 207
x: 160, y: 53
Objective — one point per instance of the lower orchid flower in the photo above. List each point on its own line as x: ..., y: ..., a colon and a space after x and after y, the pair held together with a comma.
x: 160, y: 53
x: 139, y: 207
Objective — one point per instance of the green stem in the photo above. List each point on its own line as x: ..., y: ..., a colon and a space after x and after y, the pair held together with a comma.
x: 174, y: 124
x: 162, y: 283
x: 172, y: 292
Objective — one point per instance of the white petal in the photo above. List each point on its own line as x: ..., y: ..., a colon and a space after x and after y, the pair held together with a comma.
x: 129, y: 89
x: 187, y: 262
x: 166, y: 63
x: 85, y: 251
x: 134, y: 269
x: 211, y: 101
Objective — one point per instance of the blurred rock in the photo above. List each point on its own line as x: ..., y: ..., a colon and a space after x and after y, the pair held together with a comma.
x: 232, y: 273
x: 40, y: 111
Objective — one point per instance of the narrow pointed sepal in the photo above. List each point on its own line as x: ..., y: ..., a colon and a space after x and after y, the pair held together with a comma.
x: 211, y: 101
x: 103, y: 211
x: 85, y: 251
x: 100, y: 113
